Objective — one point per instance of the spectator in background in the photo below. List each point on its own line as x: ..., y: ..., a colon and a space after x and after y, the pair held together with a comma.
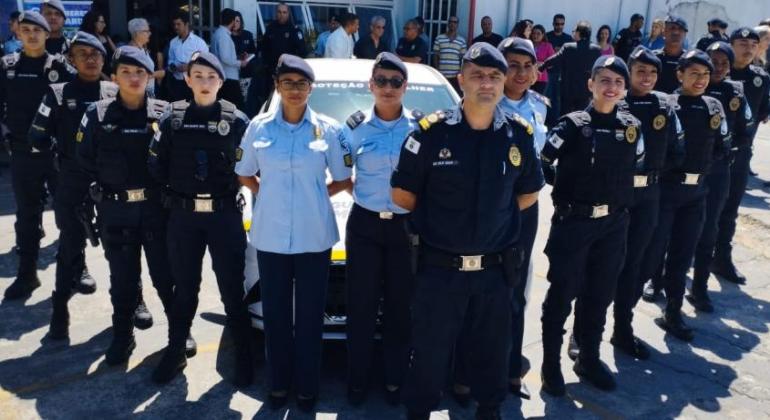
x: 281, y: 37
x: 53, y: 12
x: 557, y: 37
x: 762, y: 51
x: 372, y: 45
x: 448, y: 51
x: 603, y: 36
x: 411, y: 47
x: 543, y: 50
x: 675, y: 33
x: 12, y: 44
x: 340, y: 43
x: 522, y: 29
x: 95, y: 24
x: 421, y: 22
x: 629, y: 38
x: 223, y: 47
x: 717, y: 31
x: 655, y: 40
x: 486, y: 33
x: 320, y: 46
x: 139, y: 29
x: 245, y: 43
x: 180, y: 50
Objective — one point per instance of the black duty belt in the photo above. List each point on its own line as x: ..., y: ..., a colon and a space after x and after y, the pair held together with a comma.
x: 438, y: 258
x: 646, y: 180
x: 136, y: 195
x: 384, y: 215
x: 684, y: 178
x: 201, y: 203
x: 596, y: 211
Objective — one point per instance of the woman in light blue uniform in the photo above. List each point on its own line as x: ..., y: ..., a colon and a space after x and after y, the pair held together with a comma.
x: 284, y: 160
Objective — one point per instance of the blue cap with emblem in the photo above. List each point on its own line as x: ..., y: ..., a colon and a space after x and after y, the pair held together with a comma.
x: 724, y: 48
x: 516, y: 45
x: 34, y: 18
x: 695, y: 57
x: 676, y: 20
x: 390, y: 61
x: 84, y: 38
x: 56, y: 4
x: 132, y: 56
x: 485, y: 55
x: 612, y: 63
x: 744, y: 33
x: 717, y: 22
x: 644, y: 55
x: 288, y: 63
x: 207, y: 59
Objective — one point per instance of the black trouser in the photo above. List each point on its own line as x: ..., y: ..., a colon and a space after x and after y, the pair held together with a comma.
x: 444, y: 301
x: 70, y: 257
x: 231, y: 91
x: 739, y: 178
x: 378, y: 267
x: 126, y: 229
x: 585, y: 256
x: 33, y: 179
x: 189, y: 234
x: 718, y: 183
x: 294, y: 287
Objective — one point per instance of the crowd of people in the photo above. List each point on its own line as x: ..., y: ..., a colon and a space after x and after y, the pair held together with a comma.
x: 648, y: 153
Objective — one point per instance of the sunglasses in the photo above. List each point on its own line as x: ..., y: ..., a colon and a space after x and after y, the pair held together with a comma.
x: 395, y: 82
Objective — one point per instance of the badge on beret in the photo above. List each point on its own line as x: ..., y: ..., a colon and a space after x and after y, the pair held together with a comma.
x: 514, y: 155
x: 691, y: 54
x: 745, y: 33
x: 475, y: 52
x: 212, y: 126
x: 734, y: 104
x: 223, y: 128
x: 195, y: 55
x: 715, y: 121
x: 609, y: 61
x: 444, y: 153
x: 176, y: 123
x: 586, y: 131
x: 238, y: 154
x: 53, y: 76
x: 757, y: 81
x: 631, y: 134
x: 659, y: 122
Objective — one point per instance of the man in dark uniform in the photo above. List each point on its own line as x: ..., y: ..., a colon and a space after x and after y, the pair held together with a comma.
x: 194, y: 156
x: 598, y: 151
x: 740, y: 125
x: 628, y: 38
x: 281, y: 37
x: 716, y: 32
x: 57, y: 119
x: 465, y: 176
x: 53, y: 12
x: 756, y: 87
x: 412, y: 47
x: 575, y: 60
x: 675, y: 33
x: 24, y: 79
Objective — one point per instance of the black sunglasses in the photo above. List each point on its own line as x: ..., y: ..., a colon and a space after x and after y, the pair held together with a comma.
x: 395, y: 82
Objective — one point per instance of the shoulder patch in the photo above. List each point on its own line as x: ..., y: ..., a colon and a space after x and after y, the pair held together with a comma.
x: 9, y: 60
x: 107, y: 89
x: 542, y: 98
x: 522, y: 122
x: 355, y: 119
x: 58, y: 92
x: 101, y: 108
x: 427, y: 122
x: 156, y: 108
x: 627, y: 119
x: 713, y: 105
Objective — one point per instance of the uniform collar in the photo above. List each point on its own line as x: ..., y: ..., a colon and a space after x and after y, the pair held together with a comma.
x: 310, y: 116
x: 455, y: 116
x: 372, y: 117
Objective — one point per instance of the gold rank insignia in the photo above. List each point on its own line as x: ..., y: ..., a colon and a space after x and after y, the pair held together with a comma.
x: 79, y: 136
x: 715, y: 121
x: 734, y: 104
x: 238, y: 154
x: 631, y: 134
x: 514, y: 155
x: 659, y: 122
x: 424, y: 123
x: 432, y: 118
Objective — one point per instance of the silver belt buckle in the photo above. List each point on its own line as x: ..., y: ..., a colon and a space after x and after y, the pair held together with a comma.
x: 691, y: 179
x: 640, y: 181
x: 133, y: 196
x: 203, y: 205
x: 386, y: 215
x: 471, y: 263
x: 600, y: 211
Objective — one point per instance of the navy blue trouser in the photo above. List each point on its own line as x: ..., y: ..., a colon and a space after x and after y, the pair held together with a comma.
x: 293, y: 300
x: 444, y: 301
x: 72, y: 191
x: 378, y: 267
x: 739, y: 178
x: 718, y: 184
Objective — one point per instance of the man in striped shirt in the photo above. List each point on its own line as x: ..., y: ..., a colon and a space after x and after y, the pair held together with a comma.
x: 448, y: 51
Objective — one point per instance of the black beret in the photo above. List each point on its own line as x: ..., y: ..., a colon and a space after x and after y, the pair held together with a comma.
x: 676, y: 20
x: 718, y: 22
x: 612, y: 63
x: 644, y: 55
x: 84, y: 38
x: 132, y: 56
x: 288, y: 63
x: 207, y: 59
x: 34, y: 18
x: 485, y: 55
x: 744, y: 33
x: 56, y: 4
x: 695, y: 57
x: 516, y: 45
x: 390, y: 61
x: 724, y: 48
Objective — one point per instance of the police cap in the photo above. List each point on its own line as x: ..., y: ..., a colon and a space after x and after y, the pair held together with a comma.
x: 643, y: 54
x: 744, y: 33
x: 724, y: 48
x: 485, y: 55
x: 718, y: 22
x: 288, y: 63
x: 695, y: 57
x: 515, y: 45
x: 390, y: 61
x: 676, y: 20
x: 205, y: 58
x: 34, y: 18
x: 56, y: 4
x: 612, y: 63
x: 133, y: 56
x: 88, y: 40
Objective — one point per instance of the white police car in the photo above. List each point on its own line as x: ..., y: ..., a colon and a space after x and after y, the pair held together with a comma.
x: 340, y: 89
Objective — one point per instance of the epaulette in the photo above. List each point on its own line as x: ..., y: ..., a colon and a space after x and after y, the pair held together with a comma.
x: 10, y: 60
x: 178, y: 110
x: 713, y: 105
x: 58, y: 92
x: 758, y: 70
x: 515, y: 117
x: 355, y: 119
x: 101, y: 108
x: 428, y: 121
x: 664, y: 100
x: 736, y: 85
x: 579, y: 118
x: 107, y: 89
x: 540, y: 97
x: 156, y: 108
x: 417, y: 114
x: 227, y: 110
x: 627, y: 119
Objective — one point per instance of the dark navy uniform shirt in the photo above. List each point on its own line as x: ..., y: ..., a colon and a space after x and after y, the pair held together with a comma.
x: 740, y: 121
x: 756, y: 87
x: 663, y: 135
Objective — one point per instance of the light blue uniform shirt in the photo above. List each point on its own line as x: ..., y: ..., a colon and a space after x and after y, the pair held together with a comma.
x: 375, y: 146
x: 293, y: 213
x: 534, y: 110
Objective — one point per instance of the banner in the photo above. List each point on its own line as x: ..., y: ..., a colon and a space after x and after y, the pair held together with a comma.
x: 74, y: 11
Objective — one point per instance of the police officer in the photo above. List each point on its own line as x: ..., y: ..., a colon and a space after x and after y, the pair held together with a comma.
x: 378, y: 258
x: 281, y: 37
x: 58, y: 118
x: 464, y: 175
x: 683, y: 187
x: 716, y: 32
x: 54, y: 13
x: 194, y: 156
x: 675, y: 32
x: 24, y: 80
x: 756, y: 87
x: 285, y: 158
x: 740, y: 125
x: 598, y: 151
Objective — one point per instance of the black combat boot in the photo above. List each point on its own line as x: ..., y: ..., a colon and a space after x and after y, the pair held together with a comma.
x: 573, y: 349
x: 672, y: 323
x: 142, y: 315
x: 625, y: 341
x: 190, y: 347
x: 26, y: 281
x: 84, y: 283
x: 651, y: 293
x: 699, y: 297
x: 60, y: 318
x: 172, y: 363
x: 123, y: 343
x: 722, y: 266
x: 552, y: 379
x: 594, y: 371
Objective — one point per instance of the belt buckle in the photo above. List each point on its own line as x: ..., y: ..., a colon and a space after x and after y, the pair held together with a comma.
x: 691, y: 179
x: 600, y: 211
x: 386, y: 215
x: 132, y: 196
x: 471, y: 263
x: 203, y: 205
x: 641, y: 181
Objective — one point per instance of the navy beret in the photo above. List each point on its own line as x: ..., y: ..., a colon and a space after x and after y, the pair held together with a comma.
x: 724, y: 48
x: 612, y: 63
x: 744, y: 33
x: 288, y: 63
x: 695, y: 57
x: 676, y: 20
x: 718, y: 22
x: 516, y: 45
x: 34, y: 18
x: 390, y: 61
x: 56, y: 4
x: 207, y: 59
x: 485, y: 55
x: 132, y: 56
x: 644, y: 55
x: 84, y: 38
